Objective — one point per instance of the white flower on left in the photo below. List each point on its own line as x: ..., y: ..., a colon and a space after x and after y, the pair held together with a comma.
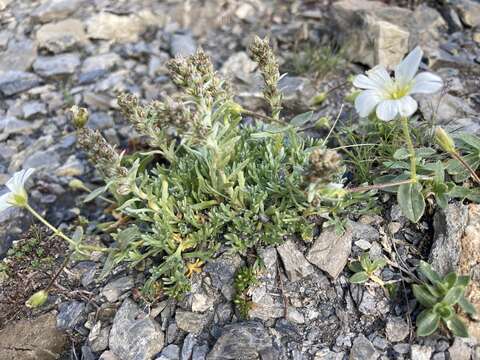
x: 17, y: 196
x: 391, y: 97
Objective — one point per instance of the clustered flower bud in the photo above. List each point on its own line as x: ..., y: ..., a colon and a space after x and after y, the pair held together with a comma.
x: 324, y: 163
x: 267, y: 62
x: 444, y: 140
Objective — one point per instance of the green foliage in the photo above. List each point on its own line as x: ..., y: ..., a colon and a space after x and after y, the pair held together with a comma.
x: 439, y: 297
x: 244, y: 279
x: 211, y: 181
x: 365, y: 268
x: 469, y: 146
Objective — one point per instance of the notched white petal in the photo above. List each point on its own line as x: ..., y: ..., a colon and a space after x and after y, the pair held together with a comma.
x: 407, y: 106
x: 387, y: 110
x: 17, y: 182
x: 426, y: 83
x: 5, y: 201
x: 365, y: 102
x: 363, y: 82
x: 407, y: 69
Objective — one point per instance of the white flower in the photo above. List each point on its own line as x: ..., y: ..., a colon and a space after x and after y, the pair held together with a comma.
x: 391, y: 97
x: 17, y: 196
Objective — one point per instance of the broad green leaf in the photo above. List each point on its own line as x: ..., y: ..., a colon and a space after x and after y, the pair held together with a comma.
x: 467, y: 306
x: 456, y: 326
x: 302, y: 119
x: 365, y: 261
x: 469, y: 139
x: 379, y: 263
x: 355, y: 266
x: 423, y: 296
x: 401, y: 154
x: 411, y: 201
x: 450, y: 279
x: 458, y: 171
x: 424, y: 152
x: 453, y: 295
x: 463, y: 193
x: 359, y: 278
x: 462, y: 280
x: 427, y: 322
x: 427, y: 271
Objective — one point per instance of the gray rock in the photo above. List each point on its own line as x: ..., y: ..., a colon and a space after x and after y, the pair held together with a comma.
x: 100, y: 121
x: 296, y: 266
x: 4, y: 4
x: 119, y: 28
x: 402, y: 348
x: 70, y: 314
x: 61, y: 36
x: 64, y: 64
x: 103, y: 62
x: 13, y: 82
x: 108, y: 355
x: 191, y: 322
x: 19, y: 55
x: 55, y: 10
x: 373, y: 304
x: 449, y: 226
x: 419, y: 352
x: 187, y: 348
x: 40, y: 159
x: 134, y: 336
x: 240, y: 66
x: 297, y: 93
x: 363, y: 349
x: 460, y: 350
x: 11, y: 125
x: 327, y: 354
x: 72, y: 167
x: 200, y: 352
x: 443, y: 108
x: 33, y: 108
x: 182, y: 45
x: 100, y: 342
x: 380, y: 343
x: 330, y: 251
x: 397, y: 329
x: 241, y: 341
x: 170, y: 352
x: 222, y: 271
x: 114, y: 289
x: 469, y: 12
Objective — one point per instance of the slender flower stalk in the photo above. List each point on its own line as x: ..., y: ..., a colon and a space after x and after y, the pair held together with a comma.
x: 411, y: 149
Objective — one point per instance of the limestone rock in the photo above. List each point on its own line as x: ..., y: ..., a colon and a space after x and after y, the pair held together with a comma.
x: 61, y: 36
x: 363, y: 349
x: 19, y: 55
x: 13, y: 82
x: 469, y: 12
x: 191, y: 322
x: 296, y: 266
x: 58, y: 65
x: 55, y: 10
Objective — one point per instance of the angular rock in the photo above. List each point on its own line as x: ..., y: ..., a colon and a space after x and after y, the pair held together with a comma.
x: 170, y: 352
x: 61, y: 36
x: 39, y: 159
x: 449, y: 226
x: 460, y: 350
x: 297, y: 93
x: 134, y: 336
x: 119, y: 28
x: 444, y: 109
x: 469, y: 12
x: 182, y: 45
x: 191, y: 322
x: 296, y: 266
x: 72, y: 167
x: 33, y: 108
x: 55, y: 10
x: 70, y: 315
x: 11, y: 125
x: 244, y: 340
x: 187, y: 348
x: 13, y: 82
x: 239, y: 65
x: 114, y: 289
x: 108, y: 355
x: 397, y: 329
x: 102, y: 62
x: 222, y: 272
x: 419, y: 352
x: 363, y: 349
x: 37, y: 339
x: 19, y: 55
x: 330, y: 251
x: 58, y: 65
x: 200, y: 352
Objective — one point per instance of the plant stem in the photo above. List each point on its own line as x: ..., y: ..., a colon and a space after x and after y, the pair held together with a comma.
x: 50, y: 226
x: 379, y: 186
x: 411, y: 150
x: 467, y: 166
x: 261, y: 116
x: 59, y: 271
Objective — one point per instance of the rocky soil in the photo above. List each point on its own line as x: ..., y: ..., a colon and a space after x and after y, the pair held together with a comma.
x: 56, y: 53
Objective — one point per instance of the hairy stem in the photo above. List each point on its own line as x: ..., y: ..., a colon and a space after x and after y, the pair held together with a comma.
x: 379, y: 186
x: 50, y: 226
x: 411, y: 149
x: 466, y: 166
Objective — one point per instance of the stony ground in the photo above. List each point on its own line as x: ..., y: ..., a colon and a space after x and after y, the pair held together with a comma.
x: 56, y: 53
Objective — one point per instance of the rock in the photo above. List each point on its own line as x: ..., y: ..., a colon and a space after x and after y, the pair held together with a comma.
x: 372, y: 303
x: 330, y: 251
x: 58, y: 65
x: 70, y: 314
x: 108, y: 355
x: 469, y: 12
x: 419, y: 352
x: 36, y: 339
x: 39, y: 159
x: 170, y: 352
x: 296, y: 266
x: 182, y: 45
x: 11, y: 125
x: 222, y: 271
x: 327, y: 354
x: 202, y: 301
x: 134, y: 336
x: 13, y: 82
x: 460, y: 350
x: 244, y: 340
x: 100, y: 121
x: 55, y: 10
x: 99, y: 340
x: 19, y: 55
x: 191, y: 322
x: 119, y: 28
x: 103, y: 62
x: 442, y: 108
x: 72, y: 167
x: 61, y: 36
x: 4, y: 4
x: 297, y: 93
x: 449, y: 225
x: 397, y: 329
x: 33, y: 108
x: 239, y: 65
x: 187, y: 348
x: 200, y: 352
x: 114, y: 289
x: 363, y: 349
x: 402, y: 348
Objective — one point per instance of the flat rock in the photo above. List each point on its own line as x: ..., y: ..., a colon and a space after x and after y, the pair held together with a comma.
x: 469, y: 12
x: 55, y: 10
x: 362, y: 349
x: 460, y: 350
x: 61, y: 36
x: 296, y: 266
x: 297, y: 93
x: 330, y: 251
x: 12, y: 125
x: 37, y: 339
x: 134, y: 336
x: 244, y: 340
x: 58, y: 65
x: 70, y: 314
x: 119, y: 28
x: 33, y: 108
x: 182, y: 45
x: 421, y: 352
x: 191, y: 322
x: 19, y: 55
x: 114, y: 289
x: 397, y: 329
x: 222, y: 272
x: 13, y: 82
x: 239, y: 65
x: 102, y: 62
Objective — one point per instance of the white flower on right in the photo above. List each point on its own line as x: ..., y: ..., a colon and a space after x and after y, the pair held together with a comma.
x: 17, y: 196
x: 391, y: 97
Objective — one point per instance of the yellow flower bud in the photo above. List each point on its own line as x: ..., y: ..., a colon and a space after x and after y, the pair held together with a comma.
x: 77, y: 184
x: 318, y: 99
x: 444, y: 140
x: 80, y: 116
x: 37, y: 299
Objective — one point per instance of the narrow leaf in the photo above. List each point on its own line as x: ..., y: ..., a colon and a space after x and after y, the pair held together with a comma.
x: 423, y: 296
x: 359, y: 278
x: 427, y: 271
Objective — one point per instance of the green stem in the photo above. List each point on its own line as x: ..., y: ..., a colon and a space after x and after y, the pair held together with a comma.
x: 411, y: 150
x: 50, y: 226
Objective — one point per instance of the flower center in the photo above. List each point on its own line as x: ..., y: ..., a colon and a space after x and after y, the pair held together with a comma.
x: 398, y: 91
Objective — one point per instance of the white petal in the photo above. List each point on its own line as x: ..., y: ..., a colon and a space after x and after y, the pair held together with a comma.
x: 380, y: 76
x: 363, y: 82
x: 426, y: 83
x: 4, y: 201
x: 407, y: 106
x: 366, y: 102
x: 17, y: 182
x: 407, y: 69
x: 387, y: 110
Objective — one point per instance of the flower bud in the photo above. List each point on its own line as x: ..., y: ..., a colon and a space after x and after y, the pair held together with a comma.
x: 37, y: 299
x: 444, y: 140
x: 77, y: 184
x: 79, y: 116
x: 319, y: 99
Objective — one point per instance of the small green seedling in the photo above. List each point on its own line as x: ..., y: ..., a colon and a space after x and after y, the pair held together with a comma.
x: 439, y: 297
x: 245, y: 278
x: 365, y: 269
